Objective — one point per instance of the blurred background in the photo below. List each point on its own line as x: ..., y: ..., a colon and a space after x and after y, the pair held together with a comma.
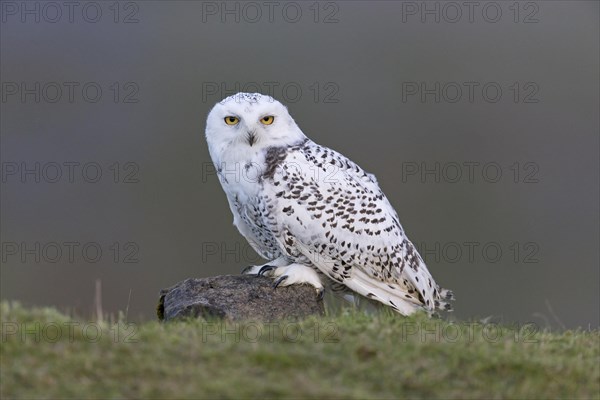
x: 480, y: 122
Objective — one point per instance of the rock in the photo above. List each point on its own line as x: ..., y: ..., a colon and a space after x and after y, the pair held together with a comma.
x: 238, y: 297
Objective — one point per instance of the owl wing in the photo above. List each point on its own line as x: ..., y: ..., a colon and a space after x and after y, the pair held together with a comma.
x: 334, y: 213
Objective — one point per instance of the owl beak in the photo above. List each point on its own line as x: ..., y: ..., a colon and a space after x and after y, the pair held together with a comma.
x: 251, y: 138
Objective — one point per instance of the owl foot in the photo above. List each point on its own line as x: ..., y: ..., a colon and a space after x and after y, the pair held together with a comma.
x: 320, y: 291
x: 262, y: 269
x: 287, y: 274
x: 294, y: 274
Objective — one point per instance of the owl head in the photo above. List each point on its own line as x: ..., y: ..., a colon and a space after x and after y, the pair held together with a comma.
x: 249, y: 122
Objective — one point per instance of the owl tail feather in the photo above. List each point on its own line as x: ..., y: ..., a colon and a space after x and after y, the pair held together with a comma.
x: 395, y: 296
x: 390, y: 295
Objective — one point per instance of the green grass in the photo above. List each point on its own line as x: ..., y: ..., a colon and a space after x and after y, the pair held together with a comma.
x: 348, y: 356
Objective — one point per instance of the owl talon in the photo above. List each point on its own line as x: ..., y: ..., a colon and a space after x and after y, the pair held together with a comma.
x: 320, y: 294
x: 279, y: 280
x: 265, y: 269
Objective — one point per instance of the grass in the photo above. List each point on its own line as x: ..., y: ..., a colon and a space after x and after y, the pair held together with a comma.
x: 352, y: 355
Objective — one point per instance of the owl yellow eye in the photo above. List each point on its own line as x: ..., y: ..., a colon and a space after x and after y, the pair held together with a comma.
x: 268, y: 120
x: 231, y: 120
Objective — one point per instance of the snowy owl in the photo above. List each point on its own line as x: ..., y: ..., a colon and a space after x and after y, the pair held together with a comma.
x: 313, y: 213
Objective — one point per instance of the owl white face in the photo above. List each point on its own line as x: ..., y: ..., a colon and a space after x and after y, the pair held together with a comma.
x: 249, y: 122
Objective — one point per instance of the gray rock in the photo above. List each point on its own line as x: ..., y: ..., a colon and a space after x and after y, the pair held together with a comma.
x: 238, y: 297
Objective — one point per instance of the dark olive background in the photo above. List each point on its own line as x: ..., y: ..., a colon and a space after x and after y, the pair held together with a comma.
x: 363, y: 59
